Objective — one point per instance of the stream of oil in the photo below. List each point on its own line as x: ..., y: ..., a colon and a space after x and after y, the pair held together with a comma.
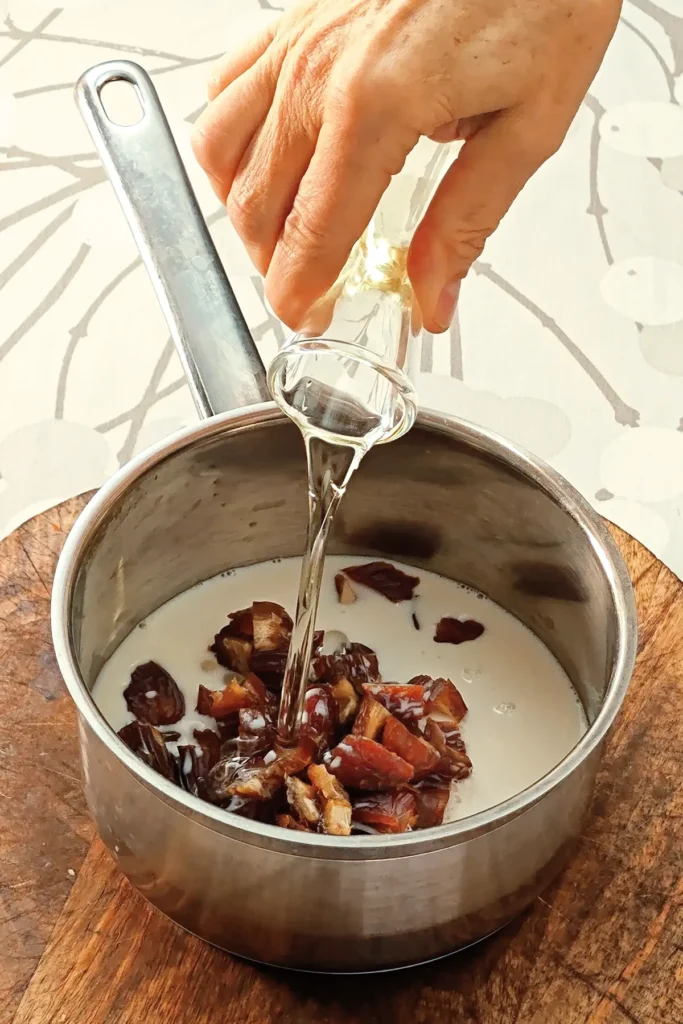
x: 338, y: 430
x: 344, y: 403
x: 330, y: 468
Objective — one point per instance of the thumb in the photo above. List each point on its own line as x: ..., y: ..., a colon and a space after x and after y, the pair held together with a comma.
x: 477, y: 190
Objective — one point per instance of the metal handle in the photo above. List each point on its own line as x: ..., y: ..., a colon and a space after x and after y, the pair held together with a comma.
x: 223, y: 367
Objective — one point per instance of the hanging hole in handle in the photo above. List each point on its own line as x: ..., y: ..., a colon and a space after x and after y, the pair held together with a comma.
x: 122, y: 102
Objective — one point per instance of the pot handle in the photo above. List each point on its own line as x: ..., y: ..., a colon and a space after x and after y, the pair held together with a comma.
x: 222, y: 364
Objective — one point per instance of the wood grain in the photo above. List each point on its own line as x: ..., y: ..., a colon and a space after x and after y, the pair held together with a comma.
x: 603, y: 946
x: 45, y: 828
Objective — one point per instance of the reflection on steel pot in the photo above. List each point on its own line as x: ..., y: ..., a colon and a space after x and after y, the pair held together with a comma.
x: 232, y: 491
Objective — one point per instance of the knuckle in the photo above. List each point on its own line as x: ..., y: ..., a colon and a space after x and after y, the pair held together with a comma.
x: 309, y: 61
x: 281, y: 299
x: 465, y: 244
x: 281, y: 307
x: 243, y: 208
x: 344, y: 106
x: 205, y: 157
x: 301, y: 237
x: 202, y: 148
x: 360, y: 95
x: 353, y: 93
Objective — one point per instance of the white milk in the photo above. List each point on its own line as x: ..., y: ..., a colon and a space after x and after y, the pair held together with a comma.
x: 523, y: 715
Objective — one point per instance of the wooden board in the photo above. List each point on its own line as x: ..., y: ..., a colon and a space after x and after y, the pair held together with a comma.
x: 79, y: 946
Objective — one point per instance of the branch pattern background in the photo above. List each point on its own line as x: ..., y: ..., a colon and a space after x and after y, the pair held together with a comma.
x: 569, y: 335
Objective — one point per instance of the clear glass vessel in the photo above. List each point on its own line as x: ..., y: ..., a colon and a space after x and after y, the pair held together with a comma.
x: 352, y: 382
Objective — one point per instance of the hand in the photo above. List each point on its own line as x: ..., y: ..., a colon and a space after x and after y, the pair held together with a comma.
x: 308, y: 122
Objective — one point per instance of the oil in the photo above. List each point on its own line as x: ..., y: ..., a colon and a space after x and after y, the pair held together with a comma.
x: 346, y: 392
x: 330, y: 468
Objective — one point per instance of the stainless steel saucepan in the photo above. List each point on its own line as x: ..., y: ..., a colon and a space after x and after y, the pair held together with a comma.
x: 231, y: 491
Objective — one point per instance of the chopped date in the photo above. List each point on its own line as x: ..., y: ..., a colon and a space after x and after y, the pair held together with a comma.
x: 360, y: 763
x: 256, y: 686
x: 337, y: 818
x: 256, y: 780
x: 452, y: 736
x: 241, y: 624
x: 270, y: 667
x: 432, y: 801
x: 256, y: 785
x: 232, y: 652
x: 256, y: 731
x: 261, y: 778
x: 148, y: 743
x: 271, y: 625
x: 228, y: 728
x: 419, y: 681
x: 454, y: 763
x: 289, y: 821
x: 356, y: 663
x: 405, y: 702
x: 404, y: 780
x: 292, y: 760
x: 392, y: 812
x: 370, y: 719
x: 320, y: 714
x: 221, y: 777
x: 210, y: 744
x: 254, y: 721
x: 232, y: 698
x: 443, y: 701
x: 457, y: 631
x: 336, y: 814
x: 153, y: 696
x: 257, y: 810
x: 301, y: 799
x: 413, y: 749
x: 195, y: 761
x: 329, y: 787
x: 250, y: 693
x: 204, y: 700
x: 385, y: 578
x: 346, y: 699
x: 345, y: 592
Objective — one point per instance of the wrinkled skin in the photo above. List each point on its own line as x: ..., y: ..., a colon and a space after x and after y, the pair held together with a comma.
x: 309, y: 120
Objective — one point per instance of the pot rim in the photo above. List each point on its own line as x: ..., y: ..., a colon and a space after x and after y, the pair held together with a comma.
x: 347, y: 847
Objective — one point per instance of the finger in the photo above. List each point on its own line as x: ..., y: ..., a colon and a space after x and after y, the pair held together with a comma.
x: 233, y: 64
x: 269, y: 176
x: 493, y: 166
x: 449, y: 132
x: 349, y: 172
x: 225, y: 129
x: 463, y: 128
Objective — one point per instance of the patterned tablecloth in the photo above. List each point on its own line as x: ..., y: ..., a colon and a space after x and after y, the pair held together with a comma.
x: 569, y: 338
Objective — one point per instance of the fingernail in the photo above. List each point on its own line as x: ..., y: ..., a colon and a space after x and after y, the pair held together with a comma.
x: 445, y: 306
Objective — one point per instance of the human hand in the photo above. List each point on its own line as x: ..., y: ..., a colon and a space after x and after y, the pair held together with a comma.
x: 308, y: 122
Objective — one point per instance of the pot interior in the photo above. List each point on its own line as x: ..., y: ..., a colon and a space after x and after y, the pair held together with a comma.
x: 445, y: 497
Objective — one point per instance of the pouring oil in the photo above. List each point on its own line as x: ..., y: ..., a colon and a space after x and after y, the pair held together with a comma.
x: 346, y: 392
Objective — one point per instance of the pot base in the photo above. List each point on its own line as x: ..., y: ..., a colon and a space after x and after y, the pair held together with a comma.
x: 315, y: 954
